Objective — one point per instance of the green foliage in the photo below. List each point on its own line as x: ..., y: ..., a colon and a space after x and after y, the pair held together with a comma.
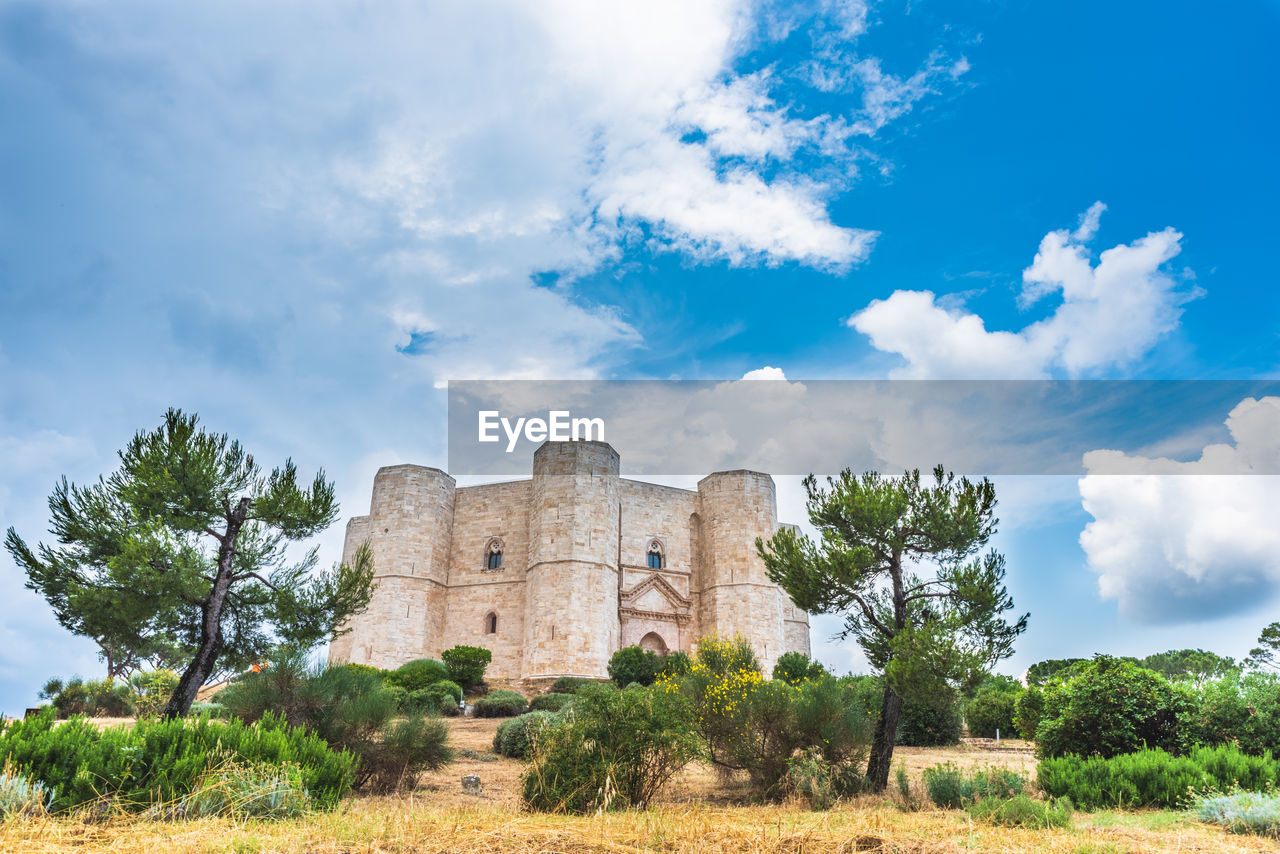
x: 181, y: 555
x: 467, y: 664
x: 676, y: 664
x: 1111, y: 707
x: 614, y: 750
x: 1238, y: 708
x: 993, y: 708
x: 152, y: 690
x: 1153, y: 778
x: 1242, y: 812
x: 1054, y: 669
x: 1022, y: 811
x: 348, y: 708
x: 952, y: 788
x: 930, y: 721
x: 417, y: 674
x: 22, y: 797
x: 440, y: 698
x: 1028, y: 710
x: 104, y: 698
x: 571, y: 684
x: 1266, y: 655
x: 501, y: 704
x: 634, y: 664
x: 795, y: 667
x: 925, y: 633
x: 818, y: 780
x: 515, y: 737
x: 550, y: 702
x: 162, y: 760
x: 366, y: 668
x: 756, y: 725
x: 1194, y: 664
x: 248, y: 791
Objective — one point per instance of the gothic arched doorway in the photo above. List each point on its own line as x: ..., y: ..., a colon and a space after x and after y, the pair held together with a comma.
x: 654, y: 643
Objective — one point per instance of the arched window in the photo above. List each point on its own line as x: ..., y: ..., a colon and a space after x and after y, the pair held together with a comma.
x: 655, y: 555
x: 493, y: 553
x: 653, y: 642
x: 491, y: 623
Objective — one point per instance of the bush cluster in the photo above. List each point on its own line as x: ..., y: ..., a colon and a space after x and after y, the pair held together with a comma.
x: 571, y: 684
x: 758, y: 725
x: 633, y: 664
x: 440, y: 698
x: 550, y: 702
x: 932, y: 721
x: 1110, y: 707
x: 1153, y: 778
x: 952, y: 788
x: 1023, y: 811
x: 501, y: 704
x: 795, y: 667
x: 348, y: 708
x: 22, y: 797
x: 152, y: 690
x: 1242, y: 812
x: 467, y: 664
x: 103, y: 698
x: 413, y: 675
x: 159, y: 760
x: 1241, y: 709
x: 515, y: 737
x: 615, y: 749
x: 992, y: 708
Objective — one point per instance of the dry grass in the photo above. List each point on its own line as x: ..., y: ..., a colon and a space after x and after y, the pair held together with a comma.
x: 701, y: 813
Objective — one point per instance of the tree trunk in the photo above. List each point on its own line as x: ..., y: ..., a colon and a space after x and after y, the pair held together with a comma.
x: 206, y: 657
x: 886, y: 734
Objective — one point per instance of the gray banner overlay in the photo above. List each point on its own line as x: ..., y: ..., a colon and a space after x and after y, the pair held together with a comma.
x: 790, y: 427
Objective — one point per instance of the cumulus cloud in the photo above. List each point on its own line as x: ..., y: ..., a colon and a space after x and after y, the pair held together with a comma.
x: 768, y: 372
x: 1170, y: 547
x: 1112, y: 313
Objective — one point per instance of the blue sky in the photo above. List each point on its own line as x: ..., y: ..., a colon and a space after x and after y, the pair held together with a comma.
x: 300, y: 220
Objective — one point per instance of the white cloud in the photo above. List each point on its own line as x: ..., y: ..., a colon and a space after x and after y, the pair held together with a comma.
x: 1112, y: 313
x: 1173, y: 543
x: 768, y: 372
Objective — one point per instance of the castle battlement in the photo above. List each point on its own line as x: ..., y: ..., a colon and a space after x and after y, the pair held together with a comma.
x: 555, y: 573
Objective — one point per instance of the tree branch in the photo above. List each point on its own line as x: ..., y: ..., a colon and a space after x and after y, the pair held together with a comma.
x: 245, y: 575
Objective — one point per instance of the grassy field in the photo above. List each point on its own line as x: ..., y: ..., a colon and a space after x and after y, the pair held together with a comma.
x: 702, y: 812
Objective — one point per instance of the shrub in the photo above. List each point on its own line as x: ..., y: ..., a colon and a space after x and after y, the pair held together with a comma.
x: 417, y: 674
x: 1110, y: 707
x: 349, y: 708
x: 676, y: 664
x: 1153, y: 778
x: 467, y: 664
x: 161, y: 760
x: 951, y: 788
x: 634, y: 664
x: 571, y: 684
x: 21, y: 797
x: 1028, y: 710
x: 366, y: 668
x: 1242, y: 812
x: 248, y: 791
x: 615, y: 749
x: 1022, y: 811
x: 515, y: 737
x: 828, y: 715
x: 441, y: 698
x: 992, y: 707
x: 98, y: 699
x: 817, y: 780
x: 1244, y: 709
x: 930, y: 721
x: 500, y: 704
x: 152, y: 690
x: 722, y: 656
x: 550, y: 702
x: 795, y: 667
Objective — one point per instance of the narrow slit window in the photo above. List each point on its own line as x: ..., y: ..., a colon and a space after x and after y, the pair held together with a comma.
x: 491, y: 623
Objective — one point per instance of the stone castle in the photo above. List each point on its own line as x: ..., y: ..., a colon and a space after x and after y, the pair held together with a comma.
x: 555, y: 574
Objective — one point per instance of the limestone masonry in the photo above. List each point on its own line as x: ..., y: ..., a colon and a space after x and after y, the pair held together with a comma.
x: 556, y: 573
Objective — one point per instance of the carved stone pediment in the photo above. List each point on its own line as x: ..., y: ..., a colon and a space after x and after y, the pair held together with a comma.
x: 655, y: 598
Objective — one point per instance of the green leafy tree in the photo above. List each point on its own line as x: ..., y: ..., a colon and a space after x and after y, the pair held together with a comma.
x: 1195, y: 664
x: 924, y: 632
x: 796, y: 667
x: 1043, y: 672
x: 184, y: 547
x: 1266, y: 655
